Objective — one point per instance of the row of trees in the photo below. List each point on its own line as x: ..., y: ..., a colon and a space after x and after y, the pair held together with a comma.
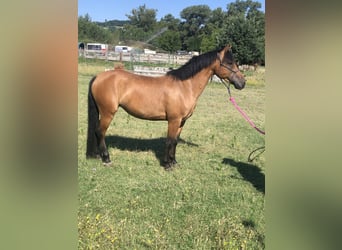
x: 242, y: 25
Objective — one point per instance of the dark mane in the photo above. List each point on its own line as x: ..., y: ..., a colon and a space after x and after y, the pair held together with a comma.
x: 194, y: 65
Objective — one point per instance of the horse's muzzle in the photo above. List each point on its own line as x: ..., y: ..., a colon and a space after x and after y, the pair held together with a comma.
x: 238, y: 81
x: 240, y: 85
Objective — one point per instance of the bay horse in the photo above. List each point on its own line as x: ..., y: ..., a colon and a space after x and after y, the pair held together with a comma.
x: 171, y: 97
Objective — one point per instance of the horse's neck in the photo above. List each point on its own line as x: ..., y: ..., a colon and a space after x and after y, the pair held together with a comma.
x: 200, y: 81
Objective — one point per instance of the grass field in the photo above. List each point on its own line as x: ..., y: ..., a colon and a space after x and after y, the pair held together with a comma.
x: 214, y: 199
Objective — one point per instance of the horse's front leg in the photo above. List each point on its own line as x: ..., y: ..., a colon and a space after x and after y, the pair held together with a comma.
x: 170, y: 153
x: 174, y: 129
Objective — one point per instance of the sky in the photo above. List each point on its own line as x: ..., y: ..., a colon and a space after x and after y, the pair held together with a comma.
x: 101, y: 10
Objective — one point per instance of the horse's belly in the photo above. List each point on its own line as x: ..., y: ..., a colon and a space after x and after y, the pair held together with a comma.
x: 155, y: 103
x: 145, y: 110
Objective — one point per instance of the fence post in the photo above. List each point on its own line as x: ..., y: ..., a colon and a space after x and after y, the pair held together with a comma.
x: 131, y: 57
x: 120, y: 56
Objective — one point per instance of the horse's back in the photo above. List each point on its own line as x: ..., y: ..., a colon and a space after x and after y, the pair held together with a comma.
x: 127, y: 79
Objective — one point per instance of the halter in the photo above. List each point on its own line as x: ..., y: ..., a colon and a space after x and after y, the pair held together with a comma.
x: 225, y: 66
x: 225, y: 81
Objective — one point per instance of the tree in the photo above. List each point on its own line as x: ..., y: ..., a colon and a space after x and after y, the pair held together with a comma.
x: 195, y: 19
x: 143, y: 18
x: 210, y: 41
x: 212, y: 29
x: 244, y: 29
x: 170, y: 22
x: 91, y: 32
x: 142, y: 24
x: 170, y: 41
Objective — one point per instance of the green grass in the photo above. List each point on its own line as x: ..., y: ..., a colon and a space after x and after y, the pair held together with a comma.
x: 214, y: 199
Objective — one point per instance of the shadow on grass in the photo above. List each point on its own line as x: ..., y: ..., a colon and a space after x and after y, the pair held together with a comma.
x: 249, y: 172
x: 156, y: 145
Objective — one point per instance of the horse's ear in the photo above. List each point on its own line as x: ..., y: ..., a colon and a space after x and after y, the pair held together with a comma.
x: 224, y: 50
x: 227, y: 48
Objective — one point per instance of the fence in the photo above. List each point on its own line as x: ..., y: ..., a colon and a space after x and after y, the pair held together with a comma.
x: 158, y: 58
x: 158, y: 71
x: 150, y: 71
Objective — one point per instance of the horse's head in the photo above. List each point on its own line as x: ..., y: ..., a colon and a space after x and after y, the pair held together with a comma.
x: 226, y: 68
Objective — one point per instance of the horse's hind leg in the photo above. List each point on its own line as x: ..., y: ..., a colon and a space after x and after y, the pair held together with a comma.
x: 100, y: 133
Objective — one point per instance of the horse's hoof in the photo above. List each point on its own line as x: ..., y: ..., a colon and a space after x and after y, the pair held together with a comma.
x: 167, y: 165
x: 107, y: 164
x: 170, y: 166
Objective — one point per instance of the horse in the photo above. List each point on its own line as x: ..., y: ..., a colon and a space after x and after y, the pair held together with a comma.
x: 171, y: 97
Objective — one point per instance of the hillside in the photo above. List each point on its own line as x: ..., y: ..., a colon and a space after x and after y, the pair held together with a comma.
x: 112, y: 24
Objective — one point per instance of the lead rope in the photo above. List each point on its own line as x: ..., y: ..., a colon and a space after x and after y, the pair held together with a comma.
x: 232, y: 100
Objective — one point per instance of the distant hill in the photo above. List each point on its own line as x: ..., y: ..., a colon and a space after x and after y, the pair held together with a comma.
x: 113, y: 24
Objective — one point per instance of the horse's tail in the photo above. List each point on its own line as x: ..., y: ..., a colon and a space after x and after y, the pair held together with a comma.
x: 93, y: 120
